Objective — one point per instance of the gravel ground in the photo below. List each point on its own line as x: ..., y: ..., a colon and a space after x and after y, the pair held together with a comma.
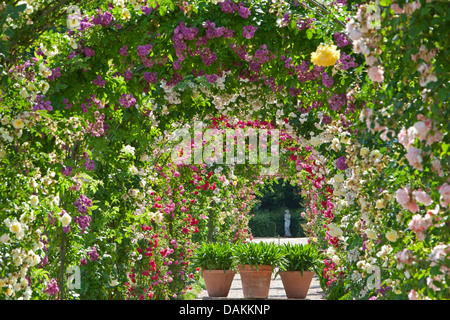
x: 276, y: 286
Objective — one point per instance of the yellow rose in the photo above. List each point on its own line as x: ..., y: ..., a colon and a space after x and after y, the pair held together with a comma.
x: 325, y: 56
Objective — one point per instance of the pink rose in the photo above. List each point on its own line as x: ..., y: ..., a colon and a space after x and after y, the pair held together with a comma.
x: 422, y: 129
x: 423, y: 197
x: 436, y: 167
x: 444, y: 191
x: 412, y: 206
x: 414, y: 157
x: 407, y: 137
x: 402, y: 196
x: 436, y: 137
x: 404, y: 257
x: 403, y: 137
x: 419, y: 225
x: 376, y: 74
x: 397, y: 8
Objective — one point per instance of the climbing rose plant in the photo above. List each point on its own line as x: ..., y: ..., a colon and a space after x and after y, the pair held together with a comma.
x: 93, y: 204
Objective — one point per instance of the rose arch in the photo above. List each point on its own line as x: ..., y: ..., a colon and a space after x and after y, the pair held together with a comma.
x: 95, y: 204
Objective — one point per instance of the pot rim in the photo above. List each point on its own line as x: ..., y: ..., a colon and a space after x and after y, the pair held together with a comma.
x: 261, y: 267
x: 219, y: 270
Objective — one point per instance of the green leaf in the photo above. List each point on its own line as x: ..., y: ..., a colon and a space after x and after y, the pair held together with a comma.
x: 444, y: 148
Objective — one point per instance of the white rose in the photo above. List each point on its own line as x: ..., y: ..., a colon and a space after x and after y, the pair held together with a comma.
x: 375, y: 153
x: 20, y: 234
x: 336, y: 259
x: 34, y: 200
x: 114, y: 283
x: 345, y: 137
x: 370, y: 60
x: 44, y: 86
x: 128, y: 149
x: 133, y: 192
x: 364, y: 151
x: 66, y: 219
x: 133, y: 170
x: 4, y: 238
x: 380, y: 204
x: 315, y: 141
x: 392, y: 235
x: 335, y: 145
x: 144, y: 157
x: 363, y: 203
x: 18, y: 123
x: 331, y: 251
x: 335, y: 231
x: 371, y: 234
x: 15, y: 227
x: 24, y: 93
x: 31, y: 86
x: 17, y: 261
x: 24, y: 282
x: 7, y: 222
x: 72, y: 22
x: 44, y: 71
x: 339, y: 177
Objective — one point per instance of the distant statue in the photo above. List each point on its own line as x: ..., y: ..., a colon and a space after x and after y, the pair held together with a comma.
x: 287, y: 223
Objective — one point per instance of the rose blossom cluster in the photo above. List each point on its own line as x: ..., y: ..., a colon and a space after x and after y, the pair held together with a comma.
x: 408, y: 199
x: 230, y: 7
x: 421, y: 130
x: 366, y: 39
x: 82, y: 204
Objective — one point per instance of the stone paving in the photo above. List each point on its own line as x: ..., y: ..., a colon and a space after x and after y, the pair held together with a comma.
x: 276, y: 291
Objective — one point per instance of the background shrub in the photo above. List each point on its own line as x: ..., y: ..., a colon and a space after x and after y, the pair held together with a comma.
x: 270, y: 223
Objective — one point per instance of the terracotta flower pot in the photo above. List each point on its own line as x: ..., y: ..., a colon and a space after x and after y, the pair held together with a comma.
x: 295, y: 285
x: 218, y: 282
x: 256, y: 283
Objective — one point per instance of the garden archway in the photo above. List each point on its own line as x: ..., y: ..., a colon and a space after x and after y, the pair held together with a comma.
x: 88, y: 108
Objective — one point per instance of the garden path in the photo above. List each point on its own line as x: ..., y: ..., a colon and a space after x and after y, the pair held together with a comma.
x: 276, y: 286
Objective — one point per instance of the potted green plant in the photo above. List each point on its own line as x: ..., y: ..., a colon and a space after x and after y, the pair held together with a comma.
x: 256, y: 262
x: 217, y: 263
x: 301, y: 262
